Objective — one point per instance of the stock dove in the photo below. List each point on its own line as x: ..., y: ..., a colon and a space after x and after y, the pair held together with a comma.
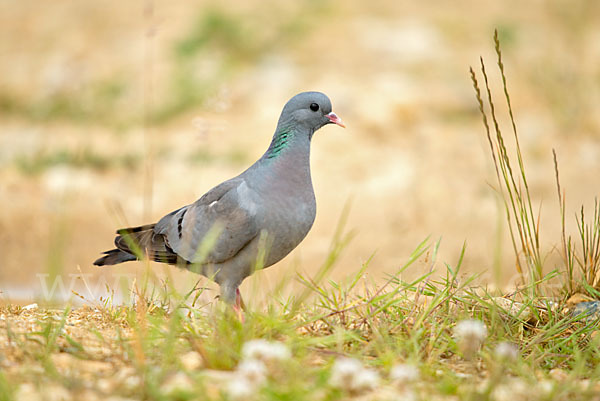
x: 250, y: 221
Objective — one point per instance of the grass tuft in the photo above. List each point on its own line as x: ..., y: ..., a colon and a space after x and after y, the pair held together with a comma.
x: 513, y: 187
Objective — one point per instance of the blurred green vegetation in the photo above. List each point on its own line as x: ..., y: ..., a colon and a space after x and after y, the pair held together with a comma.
x: 227, y: 39
x: 98, y: 102
x: 85, y: 158
x: 41, y: 161
x: 232, y: 41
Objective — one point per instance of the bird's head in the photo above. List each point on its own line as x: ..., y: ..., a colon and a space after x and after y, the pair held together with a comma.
x: 310, y: 110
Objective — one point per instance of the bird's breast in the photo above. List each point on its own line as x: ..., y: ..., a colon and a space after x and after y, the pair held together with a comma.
x: 287, y: 220
x: 287, y: 200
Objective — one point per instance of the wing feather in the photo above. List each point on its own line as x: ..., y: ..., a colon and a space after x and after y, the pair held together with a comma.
x: 214, y: 228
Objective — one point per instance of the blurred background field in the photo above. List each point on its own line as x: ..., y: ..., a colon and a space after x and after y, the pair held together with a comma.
x: 115, y: 113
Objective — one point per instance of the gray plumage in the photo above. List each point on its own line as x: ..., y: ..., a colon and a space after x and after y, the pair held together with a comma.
x: 250, y: 221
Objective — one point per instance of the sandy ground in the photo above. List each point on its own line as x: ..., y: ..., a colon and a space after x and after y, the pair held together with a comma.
x: 413, y: 161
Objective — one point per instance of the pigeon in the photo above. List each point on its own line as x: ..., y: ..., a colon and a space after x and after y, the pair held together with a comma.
x: 249, y: 222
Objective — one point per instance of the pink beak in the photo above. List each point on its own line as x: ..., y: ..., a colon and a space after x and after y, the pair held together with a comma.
x: 335, y: 119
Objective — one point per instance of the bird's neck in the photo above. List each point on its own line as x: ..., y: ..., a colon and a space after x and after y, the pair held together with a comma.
x: 288, y: 142
x: 287, y: 160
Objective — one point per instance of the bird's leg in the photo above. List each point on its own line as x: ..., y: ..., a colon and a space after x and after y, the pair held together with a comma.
x: 239, y: 302
x: 239, y: 307
x: 231, y: 296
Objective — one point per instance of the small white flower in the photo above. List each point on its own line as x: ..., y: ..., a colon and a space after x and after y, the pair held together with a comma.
x: 265, y: 351
x: 247, y: 378
x: 239, y: 388
x: 344, y: 371
x: 252, y: 370
x: 470, y: 335
x: 368, y: 379
x: 404, y: 373
x: 471, y: 329
x: 506, y: 351
x: 513, y: 390
x: 546, y: 387
x: 349, y: 374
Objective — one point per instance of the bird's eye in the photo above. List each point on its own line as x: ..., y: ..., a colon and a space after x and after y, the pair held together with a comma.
x: 314, y: 107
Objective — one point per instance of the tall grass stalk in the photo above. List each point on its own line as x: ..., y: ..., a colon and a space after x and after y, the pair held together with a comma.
x: 512, y: 183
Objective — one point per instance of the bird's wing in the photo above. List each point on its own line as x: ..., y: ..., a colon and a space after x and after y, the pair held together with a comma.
x: 215, y: 227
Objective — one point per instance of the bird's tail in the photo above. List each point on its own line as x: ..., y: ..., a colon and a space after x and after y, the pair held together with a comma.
x: 113, y: 257
x: 137, y: 243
